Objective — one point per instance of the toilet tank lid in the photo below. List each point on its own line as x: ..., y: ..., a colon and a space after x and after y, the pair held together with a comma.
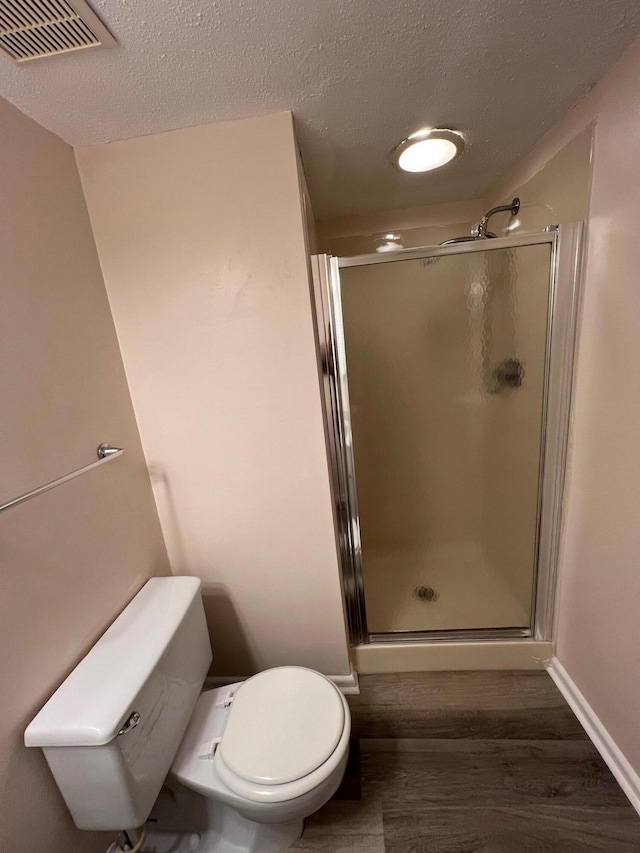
x: 92, y: 704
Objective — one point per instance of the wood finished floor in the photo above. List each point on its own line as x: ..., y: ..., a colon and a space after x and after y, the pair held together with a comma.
x: 476, y: 762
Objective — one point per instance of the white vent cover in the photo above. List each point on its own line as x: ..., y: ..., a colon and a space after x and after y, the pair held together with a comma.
x: 32, y: 29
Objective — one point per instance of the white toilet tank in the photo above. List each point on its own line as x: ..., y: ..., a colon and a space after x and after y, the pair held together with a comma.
x: 112, y: 729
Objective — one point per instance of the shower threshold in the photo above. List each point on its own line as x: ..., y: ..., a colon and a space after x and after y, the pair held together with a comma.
x: 461, y: 635
x: 391, y: 654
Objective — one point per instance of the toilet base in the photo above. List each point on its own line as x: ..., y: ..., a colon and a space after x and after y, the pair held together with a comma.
x: 259, y: 838
x: 184, y: 822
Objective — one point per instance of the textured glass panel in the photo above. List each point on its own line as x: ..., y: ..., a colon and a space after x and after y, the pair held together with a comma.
x: 446, y: 360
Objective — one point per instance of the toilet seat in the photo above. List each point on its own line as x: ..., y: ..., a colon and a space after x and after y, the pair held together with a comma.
x: 284, y: 724
x: 284, y: 735
x: 275, y: 702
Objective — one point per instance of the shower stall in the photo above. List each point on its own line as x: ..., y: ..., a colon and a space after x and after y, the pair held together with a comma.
x: 447, y: 382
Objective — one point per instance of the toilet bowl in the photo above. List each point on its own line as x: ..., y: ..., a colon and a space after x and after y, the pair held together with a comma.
x: 270, y: 751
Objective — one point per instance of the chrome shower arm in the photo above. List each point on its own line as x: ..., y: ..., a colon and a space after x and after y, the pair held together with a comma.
x: 513, y: 208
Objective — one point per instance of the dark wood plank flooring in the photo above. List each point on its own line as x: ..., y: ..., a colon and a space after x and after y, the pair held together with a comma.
x: 471, y: 762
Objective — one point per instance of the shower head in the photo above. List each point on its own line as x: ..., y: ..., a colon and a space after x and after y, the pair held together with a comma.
x: 466, y: 239
x: 483, y: 233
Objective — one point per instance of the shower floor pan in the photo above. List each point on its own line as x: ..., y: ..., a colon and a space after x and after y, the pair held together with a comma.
x: 442, y: 588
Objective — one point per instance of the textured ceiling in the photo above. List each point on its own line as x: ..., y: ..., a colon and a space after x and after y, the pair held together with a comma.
x: 359, y: 76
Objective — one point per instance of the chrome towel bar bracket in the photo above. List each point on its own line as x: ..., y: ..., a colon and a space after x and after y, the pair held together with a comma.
x: 105, y: 453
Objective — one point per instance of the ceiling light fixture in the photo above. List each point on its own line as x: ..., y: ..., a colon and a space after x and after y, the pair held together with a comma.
x: 425, y: 150
x: 390, y: 242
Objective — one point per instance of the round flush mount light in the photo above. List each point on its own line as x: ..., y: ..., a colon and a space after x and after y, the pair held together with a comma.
x: 428, y: 149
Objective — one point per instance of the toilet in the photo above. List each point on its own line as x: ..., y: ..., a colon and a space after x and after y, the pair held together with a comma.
x: 242, y: 765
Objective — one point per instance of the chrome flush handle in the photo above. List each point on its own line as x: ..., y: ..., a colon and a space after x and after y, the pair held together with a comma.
x: 131, y: 723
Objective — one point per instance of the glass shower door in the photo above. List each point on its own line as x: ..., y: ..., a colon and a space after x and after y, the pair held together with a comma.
x: 446, y: 359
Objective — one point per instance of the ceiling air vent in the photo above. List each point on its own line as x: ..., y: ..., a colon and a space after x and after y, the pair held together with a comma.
x: 32, y: 29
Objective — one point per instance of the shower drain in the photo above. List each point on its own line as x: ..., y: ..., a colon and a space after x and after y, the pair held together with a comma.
x: 426, y: 593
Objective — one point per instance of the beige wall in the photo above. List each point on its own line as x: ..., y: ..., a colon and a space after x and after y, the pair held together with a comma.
x: 553, y: 184
x: 419, y: 226
x: 598, y: 619
x: 200, y: 234
x: 73, y: 557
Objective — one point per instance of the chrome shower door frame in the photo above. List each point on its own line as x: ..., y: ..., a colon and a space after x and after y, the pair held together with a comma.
x: 564, y: 280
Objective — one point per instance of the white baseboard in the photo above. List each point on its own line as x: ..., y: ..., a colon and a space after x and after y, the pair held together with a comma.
x: 348, y: 684
x: 626, y: 776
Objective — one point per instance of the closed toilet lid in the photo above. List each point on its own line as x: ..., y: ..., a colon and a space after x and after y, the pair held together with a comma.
x: 283, y: 724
